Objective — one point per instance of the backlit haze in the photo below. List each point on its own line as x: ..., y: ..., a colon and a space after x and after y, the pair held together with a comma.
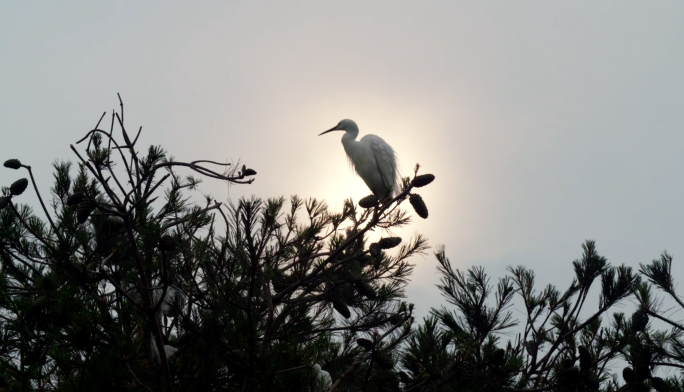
x: 545, y: 123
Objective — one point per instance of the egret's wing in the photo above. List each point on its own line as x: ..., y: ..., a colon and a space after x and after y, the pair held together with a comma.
x: 386, y: 160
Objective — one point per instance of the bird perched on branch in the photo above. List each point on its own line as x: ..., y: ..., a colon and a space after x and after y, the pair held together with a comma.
x: 323, y: 379
x: 373, y: 159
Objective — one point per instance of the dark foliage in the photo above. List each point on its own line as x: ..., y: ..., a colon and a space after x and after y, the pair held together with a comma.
x: 462, y: 349
x: 127, y: 285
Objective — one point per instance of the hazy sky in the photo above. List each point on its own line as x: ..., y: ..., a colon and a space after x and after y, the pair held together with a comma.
x: 545, y: 123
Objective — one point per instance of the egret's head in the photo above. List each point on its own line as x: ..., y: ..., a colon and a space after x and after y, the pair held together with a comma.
x: 344, y: 125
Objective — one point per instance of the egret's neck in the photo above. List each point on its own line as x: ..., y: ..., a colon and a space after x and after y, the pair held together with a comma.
x: 350, y: 136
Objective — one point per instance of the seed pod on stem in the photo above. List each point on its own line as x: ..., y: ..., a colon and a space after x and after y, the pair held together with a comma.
x: 167, y: 243
x: 341, y: 308
x: 639, y: 320
x: 74, y: 199
x: 389, y: 242
x: 368, y: 202
x: 422, y: 180
x: 18, y: 187
x: 365, y: 289
x: 85, y: 208
x: 418, y: 205
x: 13, y: 164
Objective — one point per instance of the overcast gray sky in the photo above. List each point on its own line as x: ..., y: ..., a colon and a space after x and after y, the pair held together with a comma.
x: 546, y: 123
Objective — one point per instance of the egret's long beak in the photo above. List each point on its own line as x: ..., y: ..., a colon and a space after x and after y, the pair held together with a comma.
x: 330, y: 130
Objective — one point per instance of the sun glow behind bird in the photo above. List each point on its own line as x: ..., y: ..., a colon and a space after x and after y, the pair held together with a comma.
x: 513, y: 106
x: 268, y: 114
x: 372, y: 159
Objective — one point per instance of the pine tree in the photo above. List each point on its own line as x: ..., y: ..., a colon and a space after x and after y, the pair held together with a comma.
x: 557, y: 350
x: 126, y: 284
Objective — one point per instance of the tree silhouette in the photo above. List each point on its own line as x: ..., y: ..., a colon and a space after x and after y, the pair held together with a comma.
x: 556, y: 347
x: 126, y: 284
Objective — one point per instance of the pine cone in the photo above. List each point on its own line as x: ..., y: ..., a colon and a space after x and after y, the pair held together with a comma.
x: 628, y: 374
x: 418, y: 205
x: 368, y: 202
x: 374, y: 249
x: 422, y: 180
x: 341, y: 308
x: 385, y: 361
x: 18, y: 187
x: 639, y: 320
x: 85, y: 208
x: 584, y: 358
x: 13, y: 164
x: 74, y: 199
x: 167, y: 243
x: 389, y: 242
x: 366, y: 290
x: 366, y: 344
x: 4, y: 201
x: 464, y: 372
x: 660, y: 385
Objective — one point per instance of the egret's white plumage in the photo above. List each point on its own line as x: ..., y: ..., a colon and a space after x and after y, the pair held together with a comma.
x: 166, y: 308
x: 168, y: 349
x: 322, y: 377
x: 372, y: 158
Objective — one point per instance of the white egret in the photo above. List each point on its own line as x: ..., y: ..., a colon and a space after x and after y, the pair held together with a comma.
x: 323, y: 378
x: 166, y: 308
x: 168, y: 349
x: 373, y: 159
